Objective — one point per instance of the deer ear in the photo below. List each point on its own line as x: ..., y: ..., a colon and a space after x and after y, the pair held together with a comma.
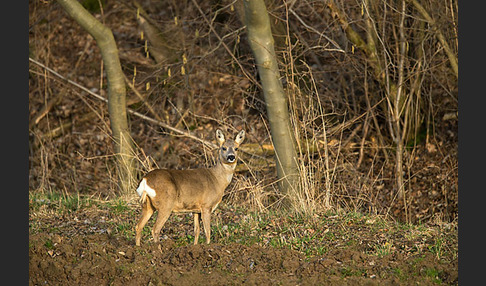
x: 240, y: 137
x: 219, y: 137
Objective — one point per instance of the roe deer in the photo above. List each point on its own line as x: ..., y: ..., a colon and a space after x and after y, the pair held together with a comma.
x: 197, y: 190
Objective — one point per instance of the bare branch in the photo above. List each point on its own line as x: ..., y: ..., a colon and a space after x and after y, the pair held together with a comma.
x: 337, y: 49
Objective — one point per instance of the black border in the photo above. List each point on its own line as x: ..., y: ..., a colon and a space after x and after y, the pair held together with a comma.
x: 472, y: 111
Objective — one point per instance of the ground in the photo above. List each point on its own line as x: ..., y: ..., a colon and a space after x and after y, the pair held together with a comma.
x: 82, y: 241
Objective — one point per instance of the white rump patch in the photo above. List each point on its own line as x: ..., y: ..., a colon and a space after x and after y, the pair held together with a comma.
x: 144, y: 187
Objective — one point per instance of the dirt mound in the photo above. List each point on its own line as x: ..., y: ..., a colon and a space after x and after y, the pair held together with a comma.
x: 99, y: 259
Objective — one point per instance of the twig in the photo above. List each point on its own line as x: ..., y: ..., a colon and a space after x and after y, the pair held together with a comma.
x: 130, y: 85
x: 57, y: 98
x: 363, y: 139
x: 63, y: 126
x: 129, y: 110
x: 224, y: 45
x: 344, y: 125
x: 133, y: 112
x: 68, y: 80
x: 337, y: 49
x: 450, y: 54
x: 46, y: 108
x: 373, y: 115
x: 218, y: 45
x: 349, y: 123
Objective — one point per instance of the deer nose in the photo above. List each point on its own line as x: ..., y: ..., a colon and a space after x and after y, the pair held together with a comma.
x: 231, y: 158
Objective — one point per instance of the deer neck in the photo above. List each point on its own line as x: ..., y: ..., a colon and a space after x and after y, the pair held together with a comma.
x: 224, y: 172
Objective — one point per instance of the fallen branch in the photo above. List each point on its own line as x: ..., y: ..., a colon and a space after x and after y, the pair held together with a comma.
x: 56, y: 132
x: 46, y: 109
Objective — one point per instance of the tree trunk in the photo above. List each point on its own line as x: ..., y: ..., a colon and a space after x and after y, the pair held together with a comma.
x: 447, y: 49
x: 116, y: 90
x: 262, y: 45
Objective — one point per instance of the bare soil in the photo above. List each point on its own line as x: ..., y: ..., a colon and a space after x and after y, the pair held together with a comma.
x: 88, y: 247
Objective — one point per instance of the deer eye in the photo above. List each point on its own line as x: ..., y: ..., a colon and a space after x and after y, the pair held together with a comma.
x: 224, y: 148
x: 236, y: 149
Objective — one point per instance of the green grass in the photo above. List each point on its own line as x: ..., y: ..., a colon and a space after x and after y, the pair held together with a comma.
x: 383, y: 249
x: 49, y: 244
x: 437, y: 248
x: 433, y: 274
x: 320, y: 235
x: 59, y: 202
x: 398, y: 272
x: 118, y: 206
x: 125, y: 229
x: 312, y: 235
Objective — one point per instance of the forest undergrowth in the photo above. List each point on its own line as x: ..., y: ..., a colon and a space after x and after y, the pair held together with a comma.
x: 341, y: 62
x: 346, y: 152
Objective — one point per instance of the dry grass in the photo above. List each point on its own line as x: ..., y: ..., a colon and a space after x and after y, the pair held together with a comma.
x: 346, y: 151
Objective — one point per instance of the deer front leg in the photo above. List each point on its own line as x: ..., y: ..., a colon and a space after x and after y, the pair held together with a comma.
x: 196, y: 227
x: 206, y: 218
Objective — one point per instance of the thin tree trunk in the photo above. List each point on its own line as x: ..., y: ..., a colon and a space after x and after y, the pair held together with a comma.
x: 397, y: 108
x: 262, y: 45
x: 116, y: 89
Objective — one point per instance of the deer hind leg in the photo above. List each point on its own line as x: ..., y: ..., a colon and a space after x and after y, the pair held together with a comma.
x: 147, y: 211
x: 162, y: 217
x: 206, y: 218
x: 196, y: 227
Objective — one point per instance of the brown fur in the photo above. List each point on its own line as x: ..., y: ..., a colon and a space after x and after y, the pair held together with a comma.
x: 198, y: 191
